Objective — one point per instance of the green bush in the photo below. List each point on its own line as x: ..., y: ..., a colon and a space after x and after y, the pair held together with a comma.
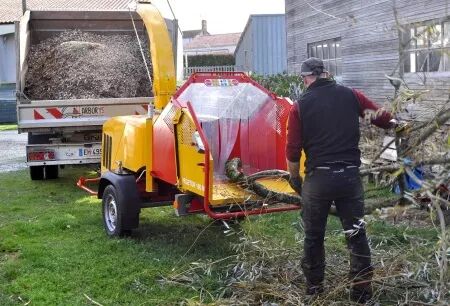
x: 284, y: 85
x: 211, y: 60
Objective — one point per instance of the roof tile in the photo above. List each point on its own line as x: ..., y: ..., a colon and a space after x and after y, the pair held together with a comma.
x: 11, y: 10
x: 217, y: 40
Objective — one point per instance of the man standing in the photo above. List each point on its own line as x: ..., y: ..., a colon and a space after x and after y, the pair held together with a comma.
x: 325, y: 124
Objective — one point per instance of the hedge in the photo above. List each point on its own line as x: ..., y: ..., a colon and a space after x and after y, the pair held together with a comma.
x: 211, y: 60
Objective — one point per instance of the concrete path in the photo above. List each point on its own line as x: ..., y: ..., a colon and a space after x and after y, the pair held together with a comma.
x: 12, y: 151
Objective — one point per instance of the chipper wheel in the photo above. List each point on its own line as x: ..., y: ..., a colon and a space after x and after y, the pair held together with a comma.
x: 113, y: 213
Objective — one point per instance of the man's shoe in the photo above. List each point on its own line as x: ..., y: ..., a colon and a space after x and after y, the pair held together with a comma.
x: 361, y: 295
x: 314, y: 290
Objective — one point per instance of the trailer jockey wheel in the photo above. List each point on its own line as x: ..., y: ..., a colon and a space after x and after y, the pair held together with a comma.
x: 113, y: 210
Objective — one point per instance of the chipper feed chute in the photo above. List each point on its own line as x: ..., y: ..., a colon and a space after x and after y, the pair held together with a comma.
x: 213, y: 118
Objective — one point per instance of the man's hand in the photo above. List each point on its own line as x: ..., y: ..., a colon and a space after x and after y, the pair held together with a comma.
x: 296, y: 183
x: 400, y: 127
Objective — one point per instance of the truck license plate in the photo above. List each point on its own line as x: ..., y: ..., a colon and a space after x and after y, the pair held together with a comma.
x: 89, y: 152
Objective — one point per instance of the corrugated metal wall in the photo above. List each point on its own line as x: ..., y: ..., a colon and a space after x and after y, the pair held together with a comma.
x: 269, y: 44
x: 7, y: 58
x: 262, y: 48
x: 7, y: 103
x: 7, y: 74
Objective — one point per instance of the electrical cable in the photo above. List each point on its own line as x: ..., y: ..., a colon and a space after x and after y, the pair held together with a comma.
x: 140, y: 46
x: 174, y: 17
x: 151, y: 106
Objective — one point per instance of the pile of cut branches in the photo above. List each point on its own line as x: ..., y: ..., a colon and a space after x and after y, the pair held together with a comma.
x: 268, y: 272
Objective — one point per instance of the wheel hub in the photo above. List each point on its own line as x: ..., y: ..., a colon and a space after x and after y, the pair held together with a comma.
x: 111, y: 214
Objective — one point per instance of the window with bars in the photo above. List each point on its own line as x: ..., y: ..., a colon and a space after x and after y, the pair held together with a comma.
x: 330, y: 52
x: 425, y: 47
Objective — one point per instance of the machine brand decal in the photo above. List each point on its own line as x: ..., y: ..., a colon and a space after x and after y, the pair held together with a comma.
x: 221, y: 82
x: 89, y: 152
x: 92, y: 110
x: 193, y: 184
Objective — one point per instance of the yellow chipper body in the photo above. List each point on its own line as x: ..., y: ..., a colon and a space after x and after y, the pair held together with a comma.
x: 177, y: 154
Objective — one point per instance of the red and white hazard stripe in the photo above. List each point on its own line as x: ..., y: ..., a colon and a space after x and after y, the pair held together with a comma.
x: 141, y: 109
x: 74, y: 112
x: 47, y: 113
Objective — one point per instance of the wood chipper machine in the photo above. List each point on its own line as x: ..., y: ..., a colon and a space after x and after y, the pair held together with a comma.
x: 177, y: 154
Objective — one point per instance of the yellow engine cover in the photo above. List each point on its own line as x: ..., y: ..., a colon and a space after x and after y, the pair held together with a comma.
x: 124, y: 139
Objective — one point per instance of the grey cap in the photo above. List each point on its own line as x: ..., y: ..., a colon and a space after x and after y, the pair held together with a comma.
x: 312, y: 66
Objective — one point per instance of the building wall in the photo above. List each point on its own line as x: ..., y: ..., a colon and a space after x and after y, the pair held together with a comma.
x: 264, y: 39
x: 269, y: 43
x: 369, y: 38
x: 7, y: 74
x: 7, y: 58
x: 187, y: 40
x: 7, y: 103
x: 244, y: 52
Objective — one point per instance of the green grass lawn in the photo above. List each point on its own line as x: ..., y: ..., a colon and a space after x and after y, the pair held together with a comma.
x: 8, y: 127
x: 53, y: 249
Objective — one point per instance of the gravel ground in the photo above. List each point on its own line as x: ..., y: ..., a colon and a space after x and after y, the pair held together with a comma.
x: 12, y: 151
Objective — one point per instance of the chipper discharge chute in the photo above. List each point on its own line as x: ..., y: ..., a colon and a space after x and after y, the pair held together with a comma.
x: 212, y: 146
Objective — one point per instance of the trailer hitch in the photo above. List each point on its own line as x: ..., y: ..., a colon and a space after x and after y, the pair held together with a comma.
x: 83, y: 182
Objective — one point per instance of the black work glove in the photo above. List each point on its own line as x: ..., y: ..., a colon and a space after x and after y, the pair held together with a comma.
x: 296, y: 183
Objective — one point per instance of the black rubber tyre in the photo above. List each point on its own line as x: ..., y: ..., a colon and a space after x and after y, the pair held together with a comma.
x: 37, y: 173
x: 113, y: 213
x: 51, y: 172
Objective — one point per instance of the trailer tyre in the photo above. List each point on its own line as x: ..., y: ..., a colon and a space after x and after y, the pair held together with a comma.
x: 51, y: 172
x: 113, y: 213
x: 37, y: 173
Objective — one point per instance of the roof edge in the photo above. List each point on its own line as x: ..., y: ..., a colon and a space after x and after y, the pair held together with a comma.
x: 242, y: 34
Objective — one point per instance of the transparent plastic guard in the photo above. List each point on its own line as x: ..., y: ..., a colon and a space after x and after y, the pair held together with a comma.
x: 229, y: 117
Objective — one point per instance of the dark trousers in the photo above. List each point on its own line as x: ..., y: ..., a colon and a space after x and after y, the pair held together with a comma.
x: 343, y: 186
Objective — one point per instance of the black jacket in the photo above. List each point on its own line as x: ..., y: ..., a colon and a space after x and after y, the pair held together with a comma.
x: 329, y: 116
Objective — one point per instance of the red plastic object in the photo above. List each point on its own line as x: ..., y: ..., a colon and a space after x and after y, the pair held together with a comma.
x: 164, y: 157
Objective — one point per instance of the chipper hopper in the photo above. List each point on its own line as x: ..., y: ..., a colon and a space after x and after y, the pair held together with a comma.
x: 177, y: 154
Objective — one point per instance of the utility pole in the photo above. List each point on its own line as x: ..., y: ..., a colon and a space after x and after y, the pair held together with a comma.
x: 24, y: 6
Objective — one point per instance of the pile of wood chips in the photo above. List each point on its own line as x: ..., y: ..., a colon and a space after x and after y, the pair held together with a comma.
x: 82, y: 65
